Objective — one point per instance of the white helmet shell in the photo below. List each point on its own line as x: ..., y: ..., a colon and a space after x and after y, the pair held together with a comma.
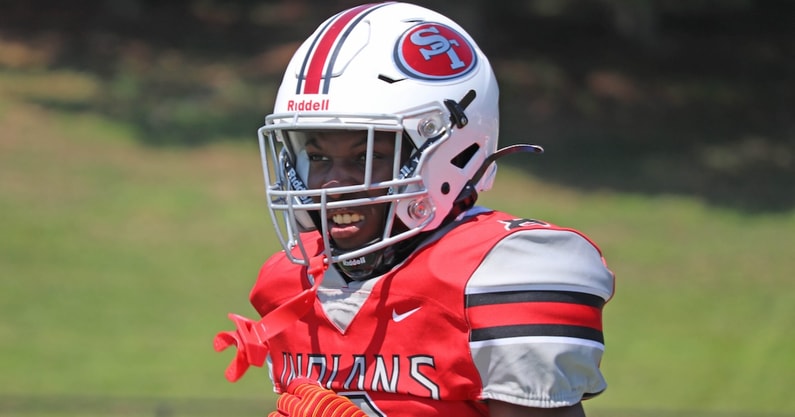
x: 386, y: 66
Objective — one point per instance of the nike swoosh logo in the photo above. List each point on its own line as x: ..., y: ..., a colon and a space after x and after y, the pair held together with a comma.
x: 397, y: 318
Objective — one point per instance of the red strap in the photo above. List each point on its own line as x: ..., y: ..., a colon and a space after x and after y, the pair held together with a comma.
x: 288, y: 313
x: 250, y: 350
x: 251, y: 338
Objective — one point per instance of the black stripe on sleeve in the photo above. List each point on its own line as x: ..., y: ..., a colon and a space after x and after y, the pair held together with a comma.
x: 507, y: 297
x: 502, y: 332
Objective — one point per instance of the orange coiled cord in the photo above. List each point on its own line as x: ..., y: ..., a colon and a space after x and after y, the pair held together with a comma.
x: 306, y: 398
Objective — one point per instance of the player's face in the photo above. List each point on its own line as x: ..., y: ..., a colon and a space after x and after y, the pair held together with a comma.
x: 337, y: 158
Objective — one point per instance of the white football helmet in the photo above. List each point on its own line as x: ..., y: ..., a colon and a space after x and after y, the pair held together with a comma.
x: 391, y: 67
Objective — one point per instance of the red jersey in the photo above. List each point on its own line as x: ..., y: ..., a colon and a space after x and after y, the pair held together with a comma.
x: 492, y: 307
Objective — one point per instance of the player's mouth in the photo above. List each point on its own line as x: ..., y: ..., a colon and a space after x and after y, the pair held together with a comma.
x: 346, y: 218
x: 345, y: 225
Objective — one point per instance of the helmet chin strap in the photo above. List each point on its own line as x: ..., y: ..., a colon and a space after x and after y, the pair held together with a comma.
x: 365, y: 266
x: 381, y: 261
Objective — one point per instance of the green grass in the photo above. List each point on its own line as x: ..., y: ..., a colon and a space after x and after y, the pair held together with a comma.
x: 119, y: 262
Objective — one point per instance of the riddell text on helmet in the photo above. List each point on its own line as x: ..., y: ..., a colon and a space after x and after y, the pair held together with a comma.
x: 307, y: 105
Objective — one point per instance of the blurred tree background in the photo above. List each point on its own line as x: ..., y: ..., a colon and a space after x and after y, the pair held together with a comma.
x: 650, y: 96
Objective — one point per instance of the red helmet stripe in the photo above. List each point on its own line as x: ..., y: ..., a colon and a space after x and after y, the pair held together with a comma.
x: 312, y: 73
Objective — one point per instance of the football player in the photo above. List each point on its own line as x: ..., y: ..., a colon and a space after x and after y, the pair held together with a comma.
x: 395, y: 292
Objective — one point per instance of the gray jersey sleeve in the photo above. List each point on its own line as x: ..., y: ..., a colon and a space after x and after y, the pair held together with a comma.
x: 537, y: 359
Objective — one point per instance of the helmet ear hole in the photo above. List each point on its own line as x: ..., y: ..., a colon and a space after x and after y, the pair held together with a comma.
x: 462, y: 159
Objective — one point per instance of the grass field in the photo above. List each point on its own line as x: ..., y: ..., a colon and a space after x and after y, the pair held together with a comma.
x: 119, y: 262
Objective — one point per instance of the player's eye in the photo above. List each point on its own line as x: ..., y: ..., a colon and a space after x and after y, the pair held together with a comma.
x: 316, y: 157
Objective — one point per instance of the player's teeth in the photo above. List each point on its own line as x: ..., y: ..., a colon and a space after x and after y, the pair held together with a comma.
x: 347, y: 218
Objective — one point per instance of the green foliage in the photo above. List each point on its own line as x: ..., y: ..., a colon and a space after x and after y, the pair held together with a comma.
x: 693, y: 98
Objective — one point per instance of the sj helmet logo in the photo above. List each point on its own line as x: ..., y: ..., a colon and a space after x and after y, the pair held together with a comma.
x: 438, y: 45
x: 432, y: 51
